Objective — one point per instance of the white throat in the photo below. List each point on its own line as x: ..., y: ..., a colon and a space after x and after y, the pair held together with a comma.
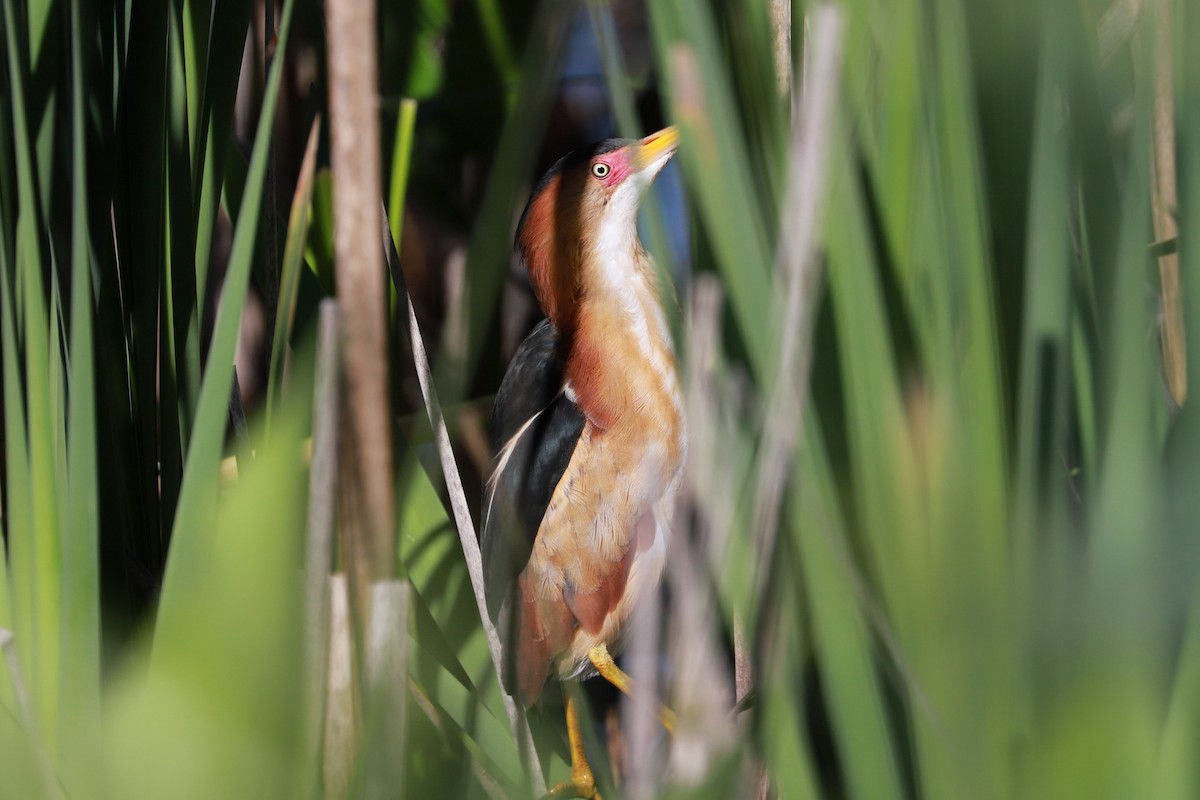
x: 623, y: 271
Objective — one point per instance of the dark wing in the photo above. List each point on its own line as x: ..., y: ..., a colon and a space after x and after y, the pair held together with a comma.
x: 533, y: 434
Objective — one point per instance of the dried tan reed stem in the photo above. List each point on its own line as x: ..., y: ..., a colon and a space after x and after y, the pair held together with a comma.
x: 781, y: 29
x: 387, y: 669
x: 322, y: 505
x: 1165, y: 200
x: 341, y: 706
x: 798, y: 269
x: 361, y: 284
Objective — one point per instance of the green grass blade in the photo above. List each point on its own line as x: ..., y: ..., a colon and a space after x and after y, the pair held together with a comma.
x: 967, y: 257
x: 714, y: 160
x: 6, y: 620
x: 401, y: 159
x: 193, y: 518
x: 842, y: 641
x: 179, y: 361
x: 873, y: 405
x: 785, y: 748
x: 485, y: 736
x: 650, y: 217
x: 81, y: 568
x: 492, y: 23
x: 211, y: 135
x: 293, y: 263
x: 218, y: 712
x: 1176, y: 775
x: 402, y: 147
x: 196, y: 20
x: 965, y: 373
x: 40, y: 651
x: 1128, y: 641
x: 56, y: 369
x: 142, y: 234
x: 1045, y: 352
x: 1039, y: 499
x: 894, y: 155
x: 491, y: 242
x: 18, y: 520
x: 1127, y: 513
x: 43, y: 49
x: 433, y: 562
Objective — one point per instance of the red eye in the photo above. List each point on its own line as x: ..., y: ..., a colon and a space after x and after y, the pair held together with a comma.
x: 600, y: 169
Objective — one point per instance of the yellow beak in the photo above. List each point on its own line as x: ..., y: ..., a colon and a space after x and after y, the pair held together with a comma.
x: 657, y: 147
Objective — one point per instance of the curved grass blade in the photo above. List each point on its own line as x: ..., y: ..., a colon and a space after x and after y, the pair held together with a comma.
x: 720, y: 174
x: 211, y: 137
x: 219, y: 711
x: 80, y: 558
x: 195, y: 514
x: 293, y: 262
x: 19, y: 616
x: 841, y: 640
x: 40, y: 649
x: 401, y: 158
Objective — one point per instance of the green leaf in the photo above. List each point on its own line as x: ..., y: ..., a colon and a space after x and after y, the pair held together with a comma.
x: 293, y: 260
x: 401, y: 157
x: 218, y: 713
x: 841, y: 640
x: 81, y: 562
x: 18, y: 519
x: 41, y: 641
x: 714, y: 157
x: 193, y: 518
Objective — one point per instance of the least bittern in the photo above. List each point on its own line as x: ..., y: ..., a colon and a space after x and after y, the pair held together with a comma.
x: 588, y: 431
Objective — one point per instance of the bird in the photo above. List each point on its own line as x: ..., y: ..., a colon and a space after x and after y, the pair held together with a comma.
x: 588, y: 432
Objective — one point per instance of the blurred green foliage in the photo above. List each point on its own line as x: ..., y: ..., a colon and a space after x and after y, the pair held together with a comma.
x: 984, y: 578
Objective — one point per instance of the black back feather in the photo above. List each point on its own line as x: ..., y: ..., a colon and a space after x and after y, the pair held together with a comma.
x: 518, y: 496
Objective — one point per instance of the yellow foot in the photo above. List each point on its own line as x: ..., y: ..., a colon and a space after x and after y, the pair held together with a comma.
x: 582, y: 783
x: 575, y: 787
x: 602, y: 660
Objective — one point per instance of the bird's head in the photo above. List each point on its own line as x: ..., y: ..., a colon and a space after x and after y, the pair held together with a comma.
x: 582, y: 218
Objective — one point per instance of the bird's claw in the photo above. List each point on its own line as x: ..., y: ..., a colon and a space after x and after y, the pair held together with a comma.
x: 578, y: 786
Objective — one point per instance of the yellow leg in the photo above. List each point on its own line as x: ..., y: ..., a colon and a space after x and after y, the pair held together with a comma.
x: 582, y: 783
x: 602, y: 660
